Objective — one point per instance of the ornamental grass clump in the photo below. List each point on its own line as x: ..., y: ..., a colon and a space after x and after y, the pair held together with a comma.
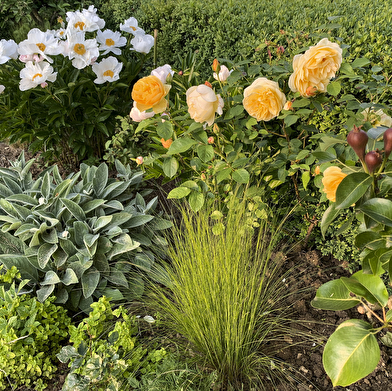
x: 226, y: 295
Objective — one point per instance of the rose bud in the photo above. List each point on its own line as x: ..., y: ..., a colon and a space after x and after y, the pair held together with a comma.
x: 388, y: 142
x: 357, y: 139
x: 373, y: 160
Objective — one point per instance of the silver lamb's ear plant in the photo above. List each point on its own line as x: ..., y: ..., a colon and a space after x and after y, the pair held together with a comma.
x: 81, y: 237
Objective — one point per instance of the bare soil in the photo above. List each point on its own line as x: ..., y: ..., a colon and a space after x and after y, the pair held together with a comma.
x: 305, y: 359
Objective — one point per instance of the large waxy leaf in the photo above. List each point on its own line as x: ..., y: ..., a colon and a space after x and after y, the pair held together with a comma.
x: 378, y: 209
x: 328, y: 217
x: 44, y: 254
x: 352, y: 188
x: 90, y: 280
x: 335, y: 296
x: 74, y: 209
x: 369, y: 286
x: 351, y: 353
x: 369, y: 239
x: 100, y: 179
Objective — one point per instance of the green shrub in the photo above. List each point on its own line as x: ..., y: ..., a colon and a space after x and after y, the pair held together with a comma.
x: 107, y: 360
x: 226, y: 296
x: 81, y: 237
x: 31, y: 333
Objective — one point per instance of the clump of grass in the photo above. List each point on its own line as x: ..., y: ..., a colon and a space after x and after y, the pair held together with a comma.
x: 226, y: 296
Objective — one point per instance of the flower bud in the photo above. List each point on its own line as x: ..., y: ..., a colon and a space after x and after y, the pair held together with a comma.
x: 215, y: 65
x: 208, y: 84
x: 210, y: 140
x: 373, y: 160
x: 357, y: 139
x: 139, y: 160
x: 388, y: 142
x: 311, y: 91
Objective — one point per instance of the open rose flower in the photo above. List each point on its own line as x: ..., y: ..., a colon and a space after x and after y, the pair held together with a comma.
x: 314, y: 69
x: 263, y: 99
x: 149, y: 92
x: 203, y: 103
x: 332, y: 177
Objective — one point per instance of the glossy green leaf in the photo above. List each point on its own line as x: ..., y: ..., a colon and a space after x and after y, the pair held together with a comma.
x: 196, y: 200
x: 352, y: 188
x: 205, y: 152
x: 165, y: 129
x: 369, y: 286
x: 369, y: 239
x: 181, y: 145
x: 328, y: 217
x: 170, y: 166
x: 334, y: 296
x: 179, y: 192
x: 351, y: 352
x: 241, y: 175
x: 334, y: 88
x: 379, y: 209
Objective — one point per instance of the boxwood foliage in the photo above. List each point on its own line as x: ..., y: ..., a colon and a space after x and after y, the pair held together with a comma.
x: 81, y: 237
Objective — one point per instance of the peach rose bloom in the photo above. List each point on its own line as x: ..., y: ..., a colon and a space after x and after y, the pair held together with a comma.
x: 166, y: 143
x: 331, y: 180
x: 263, y: 99
x: 149, y: 92
x: 315, y: 68
x: 203, y: 103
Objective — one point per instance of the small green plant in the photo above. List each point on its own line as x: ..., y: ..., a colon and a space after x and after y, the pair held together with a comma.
x: 107, y: 360
x: 31, y: 333
x: 226, y: 295
x: 81, y: 237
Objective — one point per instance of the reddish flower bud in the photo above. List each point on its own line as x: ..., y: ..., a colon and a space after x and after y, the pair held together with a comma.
x: 388, y: 142
x: 373, y: 160
x: 208, y: 84
x: 357, y: 139
x: 215, y: 65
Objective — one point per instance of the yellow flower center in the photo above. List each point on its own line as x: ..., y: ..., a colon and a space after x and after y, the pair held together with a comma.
x: 79, y: 49
x: 61, y: 32
x: 37, y: 75
x: 80, y: 25
x: 133, y: 28
x: 60, y: 19
x: 109, y: 42
x: 41, y: 46
x: 108, y: 73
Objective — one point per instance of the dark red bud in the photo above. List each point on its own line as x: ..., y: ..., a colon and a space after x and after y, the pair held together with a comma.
x: 357, y: 139
x: 388, y: 142
x: 373, y: 160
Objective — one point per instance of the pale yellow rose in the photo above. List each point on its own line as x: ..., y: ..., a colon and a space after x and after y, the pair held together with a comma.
x: 377, y: 118
x: 263, y: 99
x: 332, y: 177
x: 149, y: 92
x: 314, y: 69
x: 203, y: 103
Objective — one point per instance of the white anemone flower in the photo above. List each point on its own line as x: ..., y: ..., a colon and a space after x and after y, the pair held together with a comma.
x: 87, y: 20
x: 142, y: 43
x: 61, y: 33
x: 131, y: 26
x: 110, y: 41
x: 38, y: 42
x: 107, y: 70
x: 81, y: 51
x: 34, y: 74
x: 8, y: 50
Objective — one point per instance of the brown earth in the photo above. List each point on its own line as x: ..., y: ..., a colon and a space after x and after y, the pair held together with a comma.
x: 305, y: 359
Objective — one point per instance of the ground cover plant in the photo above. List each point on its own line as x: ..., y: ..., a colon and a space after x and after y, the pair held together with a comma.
x: 294, y: 118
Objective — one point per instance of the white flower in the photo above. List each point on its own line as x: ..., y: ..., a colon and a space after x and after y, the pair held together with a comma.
x: 142, y: 43
x: 138, y: 115
x: 163, y: 72
x: 61, y: 33
x: 30, y: 57
x: 149, y: 319
x: 107, y: 70
x: 80, y: 50
x: 2, y: 88
x: 87, y: 20
x: 36, y: 73
x: 377, y: 118
x: 41, y: 43
x: 8, y: 50
x: 110, y: 41
x: 41, y: 200
x: 224, y: 73
x: 131, y: 26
